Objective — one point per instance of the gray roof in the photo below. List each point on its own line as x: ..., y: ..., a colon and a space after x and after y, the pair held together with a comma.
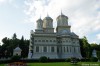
x: 61, y: 16
x: 17, y: 49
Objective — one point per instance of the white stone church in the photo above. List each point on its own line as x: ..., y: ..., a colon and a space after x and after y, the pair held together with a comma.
x: 61, y: 44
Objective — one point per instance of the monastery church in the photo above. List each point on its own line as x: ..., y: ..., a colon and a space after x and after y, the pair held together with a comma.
x: 61, y: 44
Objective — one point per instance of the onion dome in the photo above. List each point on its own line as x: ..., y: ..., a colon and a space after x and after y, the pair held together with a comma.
x: 39, y: 20
x: 48, y: 18
x: 62, y: 16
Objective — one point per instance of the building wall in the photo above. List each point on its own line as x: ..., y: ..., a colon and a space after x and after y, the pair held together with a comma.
x: 68, y: 47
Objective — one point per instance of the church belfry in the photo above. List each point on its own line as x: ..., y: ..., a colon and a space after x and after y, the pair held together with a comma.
x: 62, y: 20
x: 48, y: 25
x: 62, y: 23
x: 39, y: 26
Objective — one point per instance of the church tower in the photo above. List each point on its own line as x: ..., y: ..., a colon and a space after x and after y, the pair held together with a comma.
x: 62, y: 24
x: 39, y: 26
x: 48, y: 25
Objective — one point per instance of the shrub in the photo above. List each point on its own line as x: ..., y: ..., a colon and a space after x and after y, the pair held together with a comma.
x: 68, y: 60
x: 94, y: 59
x: 15, y: 58
x: 43, y: 59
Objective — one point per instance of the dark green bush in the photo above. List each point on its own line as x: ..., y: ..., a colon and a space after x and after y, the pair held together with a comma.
x: 43, y: 59
x: 94, y: 59
x: 15, y: 58
x: 68, y: 60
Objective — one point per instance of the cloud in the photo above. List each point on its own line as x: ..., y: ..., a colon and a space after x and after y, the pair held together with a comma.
x: 84, y: 15
x: 98, y: 36
x: 5, y: 1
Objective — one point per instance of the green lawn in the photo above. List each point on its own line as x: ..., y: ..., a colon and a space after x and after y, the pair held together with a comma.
x: 63, y: 64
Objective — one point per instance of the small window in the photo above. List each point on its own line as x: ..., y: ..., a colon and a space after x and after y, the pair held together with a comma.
x: 58, y: 41
x: 46, y: 40
x: 39, y: 40
x: 54, y: 40
x: 43, y: 40
x: 66, y: 40
x: 35, y: 40
x: 50, y: 40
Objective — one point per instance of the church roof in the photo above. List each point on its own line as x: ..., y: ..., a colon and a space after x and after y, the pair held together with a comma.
x: 48, y: 18
x: 73, y: 34
x: 61, y: 16
x: 17, y: 49
x: 39, y: 20
x: 65, y: 32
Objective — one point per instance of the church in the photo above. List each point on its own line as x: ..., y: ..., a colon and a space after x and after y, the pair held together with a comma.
x: 59, y: 44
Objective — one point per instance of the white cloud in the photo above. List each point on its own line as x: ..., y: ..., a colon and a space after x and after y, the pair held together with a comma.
x: 98, y: 36
x: 84, y: 15
x: 5, y: 1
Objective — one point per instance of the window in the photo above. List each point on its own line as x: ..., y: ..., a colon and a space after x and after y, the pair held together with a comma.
x: 54, y: 40
x: 35, y: 40
x: 43, y: 40
x: 70, y: 49
x: 64, y: 49
x: 46, y: 40
x: 44, y: 49
x: 52, y: 49
x: 67, y: 49
x: 58, y: 49
x: 74, y: 49
x: 39, y: 40
x: 37, y: 48
x: 50, y: 40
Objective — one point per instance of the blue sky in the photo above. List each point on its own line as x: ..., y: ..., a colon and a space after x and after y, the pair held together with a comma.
x: 19, y: 16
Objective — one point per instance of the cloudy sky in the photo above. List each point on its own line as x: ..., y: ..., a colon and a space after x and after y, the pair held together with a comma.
x: 19, y: 16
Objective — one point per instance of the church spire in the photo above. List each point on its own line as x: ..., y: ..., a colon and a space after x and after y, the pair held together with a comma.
x: 40, y: 17
x: 61, y: 12
x: 47, y: 15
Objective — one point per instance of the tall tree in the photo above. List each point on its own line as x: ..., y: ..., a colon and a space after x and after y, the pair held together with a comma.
x: 14, y: 36
x: 85, y: 47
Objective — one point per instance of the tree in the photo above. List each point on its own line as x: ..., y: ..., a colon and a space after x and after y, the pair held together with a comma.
x: 14, y: 36
x: 10, y: 44
x: 85, y: 48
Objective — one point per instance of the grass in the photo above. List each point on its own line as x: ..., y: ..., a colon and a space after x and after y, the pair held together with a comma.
x: 52, y: 64
x: 63, y: 64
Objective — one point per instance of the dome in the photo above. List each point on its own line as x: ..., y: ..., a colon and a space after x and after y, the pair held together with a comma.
x: 48, y: 18
x: 39, y: 20
x: 17, y: 49
x: 61, y: 16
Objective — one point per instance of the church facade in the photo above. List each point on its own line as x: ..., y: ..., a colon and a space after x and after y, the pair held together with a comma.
x: 61, y: 44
